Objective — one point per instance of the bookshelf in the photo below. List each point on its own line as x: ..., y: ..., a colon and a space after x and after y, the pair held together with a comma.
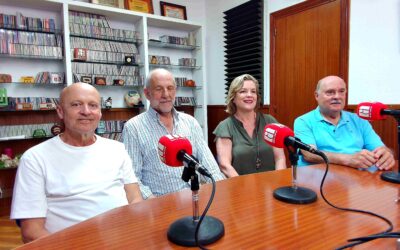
x: 31, y: 49
x: 182, y: 42
x: 141, y: 34
x: 139, y: 30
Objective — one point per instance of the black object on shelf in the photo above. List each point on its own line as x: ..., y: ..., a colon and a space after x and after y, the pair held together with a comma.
x: 108, y: 62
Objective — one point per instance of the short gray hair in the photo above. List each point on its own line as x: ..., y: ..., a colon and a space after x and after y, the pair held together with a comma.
x: 155, y: 71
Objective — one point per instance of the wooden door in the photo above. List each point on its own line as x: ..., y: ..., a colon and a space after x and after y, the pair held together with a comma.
x: 308, y: 41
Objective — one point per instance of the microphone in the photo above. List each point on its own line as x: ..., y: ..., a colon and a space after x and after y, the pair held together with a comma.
x: 176, y: 151
x: 278, y: 135
x: 373, y: 111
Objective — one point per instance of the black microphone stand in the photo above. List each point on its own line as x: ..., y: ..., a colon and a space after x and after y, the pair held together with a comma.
x: 394, y: 176
x: 182, y: 231
x: 294, y: 194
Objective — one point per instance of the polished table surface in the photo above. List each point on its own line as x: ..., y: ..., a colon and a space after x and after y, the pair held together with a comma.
x: 252, y: 217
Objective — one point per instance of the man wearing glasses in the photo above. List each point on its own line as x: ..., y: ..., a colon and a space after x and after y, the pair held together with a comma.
x: 345, y: 138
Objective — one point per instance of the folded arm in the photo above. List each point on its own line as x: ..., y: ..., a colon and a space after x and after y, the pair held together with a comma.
x: 361, y: 159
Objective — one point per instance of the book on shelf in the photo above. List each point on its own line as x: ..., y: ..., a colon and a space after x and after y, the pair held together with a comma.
x: 161, y: 60
x: 22, y: 22
x: 174, y: 40
x: 187, y: 62
x: 15, y: 132
x: 104, y: 52
x: 88, y: 19
x: 30, y: 103
x: 103, y: 55
x: 24, y: 43
x: 185, y: 101
x: 54, y: 78
x: 96, y: 26
x: 87, y: 72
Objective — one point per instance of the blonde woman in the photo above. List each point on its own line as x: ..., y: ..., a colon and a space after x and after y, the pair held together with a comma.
x: 239, y: 138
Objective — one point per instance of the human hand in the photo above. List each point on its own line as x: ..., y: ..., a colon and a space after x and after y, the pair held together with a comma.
x: 362, y: 159
x: 385, y: 158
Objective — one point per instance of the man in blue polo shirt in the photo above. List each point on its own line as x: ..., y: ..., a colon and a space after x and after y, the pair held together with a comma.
x: 345, y: 138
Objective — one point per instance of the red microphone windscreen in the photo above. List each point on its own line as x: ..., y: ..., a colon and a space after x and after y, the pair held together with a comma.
x: 169, y: 147
x: 275, y: 134
x: 371, y: 111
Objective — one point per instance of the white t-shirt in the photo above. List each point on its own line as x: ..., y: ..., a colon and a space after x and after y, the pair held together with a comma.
x: 67, y: 184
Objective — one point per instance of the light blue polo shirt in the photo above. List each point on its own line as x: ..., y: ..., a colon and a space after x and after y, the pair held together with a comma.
x: 350, y: 135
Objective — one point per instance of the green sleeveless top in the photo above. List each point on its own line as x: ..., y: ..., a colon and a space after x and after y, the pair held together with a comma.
x: 245, y: 149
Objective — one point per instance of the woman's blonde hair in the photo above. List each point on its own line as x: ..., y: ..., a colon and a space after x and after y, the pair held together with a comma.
x: 236, y: 85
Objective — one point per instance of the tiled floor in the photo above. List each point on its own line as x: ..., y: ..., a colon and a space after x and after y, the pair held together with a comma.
x: 10, y: 236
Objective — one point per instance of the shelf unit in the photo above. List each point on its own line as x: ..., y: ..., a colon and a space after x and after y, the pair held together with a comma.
x: 148, y: 26
x: 164, y: 26
x: 29, y: 65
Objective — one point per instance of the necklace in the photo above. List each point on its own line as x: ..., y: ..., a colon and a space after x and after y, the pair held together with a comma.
x: 258, y: 160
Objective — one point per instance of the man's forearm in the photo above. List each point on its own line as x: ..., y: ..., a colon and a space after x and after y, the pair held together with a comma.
x: 335, y: 158
x: 32, y: 229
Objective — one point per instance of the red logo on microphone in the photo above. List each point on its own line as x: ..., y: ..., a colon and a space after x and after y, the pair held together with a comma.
x: 365, y: 111
x: 270, y: 135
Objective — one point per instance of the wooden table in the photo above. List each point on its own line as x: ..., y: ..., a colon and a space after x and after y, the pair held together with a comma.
x: 252, y: 217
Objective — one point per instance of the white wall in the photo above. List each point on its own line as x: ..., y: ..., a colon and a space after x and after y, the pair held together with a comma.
x: 374, y: 59
x: 374, y: 63
x: 215, y: 45
x: 215, y: 48
x: 271, y: 6
x: 195, y: 9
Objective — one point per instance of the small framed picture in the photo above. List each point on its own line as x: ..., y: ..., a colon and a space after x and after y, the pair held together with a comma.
x: 80, y: 54
x: 145, y: 6
x: 100, y: 80
x: 86, y: 79
x: 173, y: 10
x: 56, y: 78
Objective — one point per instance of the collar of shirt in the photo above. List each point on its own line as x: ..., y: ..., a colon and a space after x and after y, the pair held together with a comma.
x: 154, y: 115
x: 344, y: 118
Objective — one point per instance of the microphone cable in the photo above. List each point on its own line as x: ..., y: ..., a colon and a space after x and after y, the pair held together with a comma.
x: 356, y: 241
x: 196, y: 234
